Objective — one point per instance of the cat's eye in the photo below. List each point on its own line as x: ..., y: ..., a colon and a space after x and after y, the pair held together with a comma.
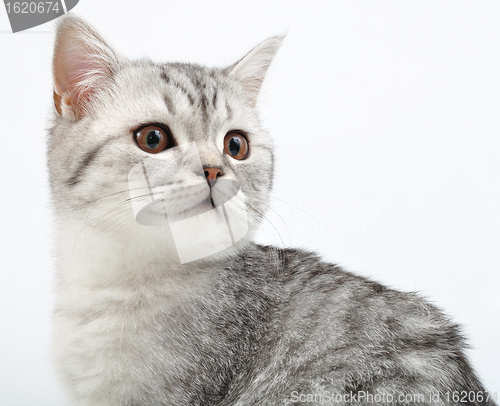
x: 236, y: 145
x: 153, y: 139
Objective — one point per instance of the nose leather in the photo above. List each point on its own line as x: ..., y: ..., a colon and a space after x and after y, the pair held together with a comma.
x: 212, y: 173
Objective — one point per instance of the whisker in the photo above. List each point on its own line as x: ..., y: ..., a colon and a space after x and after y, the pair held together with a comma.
x: 303, y: 211
x: 282, y: 220
x: 82, y: 224
x: 265, y: 218
x: 113, y: 228
x: 116, y: 207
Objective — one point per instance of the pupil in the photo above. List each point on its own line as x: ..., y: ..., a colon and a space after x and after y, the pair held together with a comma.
x: 153, y: 139
x: 234, y: 146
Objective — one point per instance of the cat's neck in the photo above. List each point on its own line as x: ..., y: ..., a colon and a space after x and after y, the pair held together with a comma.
x: 89, y: 256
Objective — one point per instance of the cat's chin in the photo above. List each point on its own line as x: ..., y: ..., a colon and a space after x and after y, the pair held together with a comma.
x: 191, y: 233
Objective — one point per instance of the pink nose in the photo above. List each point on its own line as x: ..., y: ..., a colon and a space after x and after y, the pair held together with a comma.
x: 211, y: 174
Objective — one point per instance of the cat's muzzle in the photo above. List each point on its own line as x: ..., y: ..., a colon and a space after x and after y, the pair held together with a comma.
x: 170, y: 190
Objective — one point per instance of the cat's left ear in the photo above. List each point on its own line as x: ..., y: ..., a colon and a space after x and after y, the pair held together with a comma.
x: 252, y: 68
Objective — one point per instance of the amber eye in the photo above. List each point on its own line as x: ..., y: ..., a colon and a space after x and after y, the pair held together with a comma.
x: 152, y: 139
x: 236, y: 146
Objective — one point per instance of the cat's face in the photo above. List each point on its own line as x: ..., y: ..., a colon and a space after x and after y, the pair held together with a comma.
x: 131, y: 133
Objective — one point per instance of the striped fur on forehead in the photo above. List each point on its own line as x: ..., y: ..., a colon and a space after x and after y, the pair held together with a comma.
x: 206, y: 90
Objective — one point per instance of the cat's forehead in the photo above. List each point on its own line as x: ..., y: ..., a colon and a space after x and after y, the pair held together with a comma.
x: 204, y: 91
x: 197, y: 85
x: 189, y: 98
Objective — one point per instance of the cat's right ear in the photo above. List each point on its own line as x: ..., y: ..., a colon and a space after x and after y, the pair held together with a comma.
x: 83, y: 63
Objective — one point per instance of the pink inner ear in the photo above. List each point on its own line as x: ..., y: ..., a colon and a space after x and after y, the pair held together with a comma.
x: 81, y: 77
x: 79, y: 70
x: 76, y: 75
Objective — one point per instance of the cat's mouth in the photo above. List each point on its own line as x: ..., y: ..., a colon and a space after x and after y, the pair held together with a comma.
x: 173, y: 205
x: 193, y: 210
x: 202, y: 219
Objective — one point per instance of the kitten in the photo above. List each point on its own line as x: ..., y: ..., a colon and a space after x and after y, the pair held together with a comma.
x: 160, y: 175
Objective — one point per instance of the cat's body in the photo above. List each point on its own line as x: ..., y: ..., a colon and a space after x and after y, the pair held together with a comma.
x: 257, y: 330
x: 248, y: 325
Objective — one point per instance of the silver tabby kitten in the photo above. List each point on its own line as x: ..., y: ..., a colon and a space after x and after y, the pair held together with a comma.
x: 160, y: 174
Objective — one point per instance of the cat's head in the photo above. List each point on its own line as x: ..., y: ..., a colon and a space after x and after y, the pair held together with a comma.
x: 127, y: 134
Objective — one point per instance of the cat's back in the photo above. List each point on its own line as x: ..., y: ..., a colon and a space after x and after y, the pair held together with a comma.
x: 341, y: 333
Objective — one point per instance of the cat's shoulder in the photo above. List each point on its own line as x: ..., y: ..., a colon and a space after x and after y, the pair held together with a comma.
x: 306, y: 279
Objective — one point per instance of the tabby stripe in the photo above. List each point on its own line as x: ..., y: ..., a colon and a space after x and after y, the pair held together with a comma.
x: 169, y: 104
x: 204, y: 106
x: 214, y: 98
x: 87, y: 160
x: 229, y: 110
x: 178, y: 86
x: 202, y: 89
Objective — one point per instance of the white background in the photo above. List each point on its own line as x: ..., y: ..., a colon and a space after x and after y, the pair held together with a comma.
x: 385, y: 116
